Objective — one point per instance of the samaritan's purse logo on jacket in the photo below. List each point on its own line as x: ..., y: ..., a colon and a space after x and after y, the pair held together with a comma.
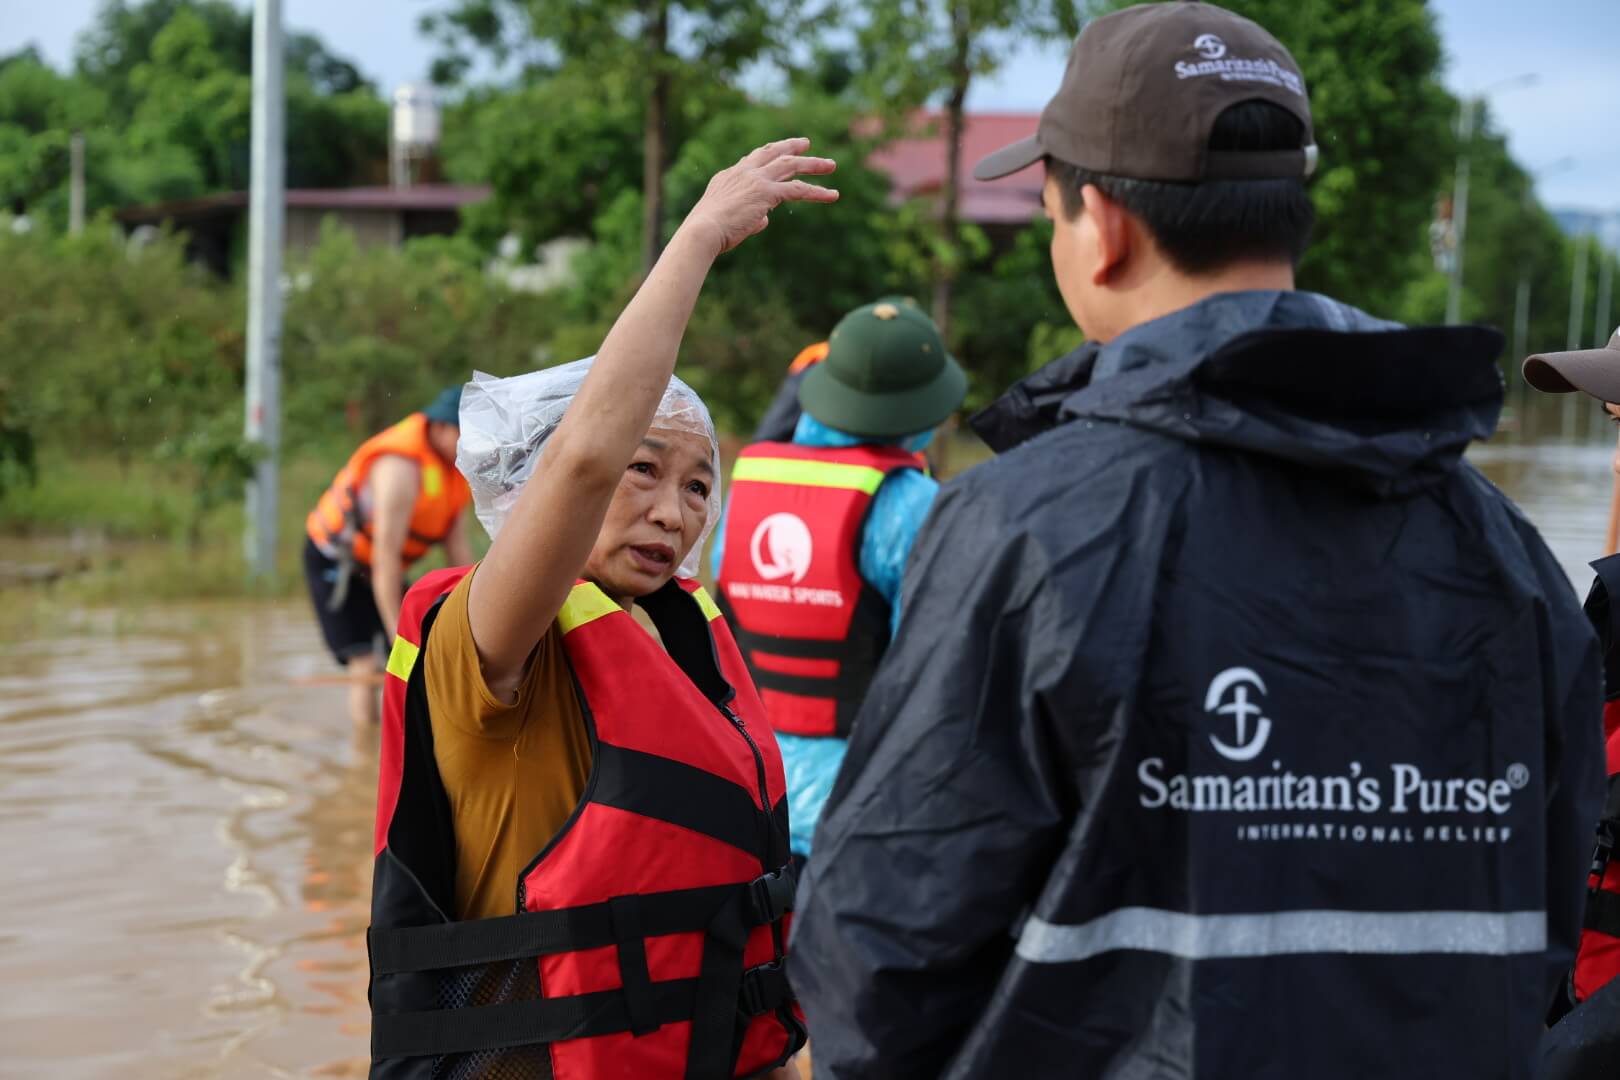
x: 1381, y: 798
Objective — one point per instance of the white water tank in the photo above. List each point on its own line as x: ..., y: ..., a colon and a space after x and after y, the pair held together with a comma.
x: 416, y: 116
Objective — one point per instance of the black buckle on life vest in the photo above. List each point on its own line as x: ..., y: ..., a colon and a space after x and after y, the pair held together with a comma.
x: 1601, y: 854
x: 771, y: 896
x: 764, y: 989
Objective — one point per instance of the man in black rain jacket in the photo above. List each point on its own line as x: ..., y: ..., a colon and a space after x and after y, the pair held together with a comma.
x: 1236, y: 727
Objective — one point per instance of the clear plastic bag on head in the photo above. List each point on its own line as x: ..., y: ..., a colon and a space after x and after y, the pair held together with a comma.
x: 505, y: 424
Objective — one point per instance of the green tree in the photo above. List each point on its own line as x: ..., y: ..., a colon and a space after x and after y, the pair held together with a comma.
x: 1382, y: 120
x: 191, y: 94
x: 559, y: 150
x: 663, y: 48
x: 920, y: 51
x: 124, y: 34
x: 163, y: 97
x: 370, y: 334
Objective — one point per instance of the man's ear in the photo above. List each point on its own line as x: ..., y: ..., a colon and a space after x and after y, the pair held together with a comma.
x: 1113, y: 230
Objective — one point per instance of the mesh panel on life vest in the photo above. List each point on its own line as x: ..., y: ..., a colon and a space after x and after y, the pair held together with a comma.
x: 492, y: 984
x: 522, y: 1063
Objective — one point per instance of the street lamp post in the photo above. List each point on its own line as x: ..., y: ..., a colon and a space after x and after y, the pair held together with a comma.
x: 1577, y: 311
x: 1459, y: 199
x: 266, y: 208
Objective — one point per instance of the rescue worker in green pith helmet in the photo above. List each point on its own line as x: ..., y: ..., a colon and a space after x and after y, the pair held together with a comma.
x: 398, y: 495
x: 781, y: 416
x: 813, y: 545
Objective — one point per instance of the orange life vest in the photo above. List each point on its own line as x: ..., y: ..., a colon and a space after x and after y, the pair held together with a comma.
x: 339, y: 525
x: 808, y: 357
x: 648, y: 937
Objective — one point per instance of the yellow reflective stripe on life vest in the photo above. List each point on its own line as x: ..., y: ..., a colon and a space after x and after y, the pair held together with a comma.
x: 586, y: 603
x: 402, y: 658
x: 829, y: 474
x: 711, y: 610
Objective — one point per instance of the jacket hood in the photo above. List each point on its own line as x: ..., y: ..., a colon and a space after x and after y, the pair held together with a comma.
x: 1289, y: 375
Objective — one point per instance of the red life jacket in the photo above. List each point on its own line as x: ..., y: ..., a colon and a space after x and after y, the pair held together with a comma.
x: 1597, y: 956
x: 790, y: 584
x: 648, y: 936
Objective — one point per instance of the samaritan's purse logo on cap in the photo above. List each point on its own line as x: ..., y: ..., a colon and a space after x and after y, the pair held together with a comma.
x: 781, y: 547
x: 1235, y: 69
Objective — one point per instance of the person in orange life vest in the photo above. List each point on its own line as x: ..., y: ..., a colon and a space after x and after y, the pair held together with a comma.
x: 581, y: 847
x: 398, y: 495
x: 781, y: 416
x: 813, y: 545
x: 1597, y: 958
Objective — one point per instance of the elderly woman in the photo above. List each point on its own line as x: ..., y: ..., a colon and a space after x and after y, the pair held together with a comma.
x: 581, y: 833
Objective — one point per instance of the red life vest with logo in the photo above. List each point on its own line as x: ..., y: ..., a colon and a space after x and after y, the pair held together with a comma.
x: 811, y: 628
x: 647, y: 938
x: 1597, y: 956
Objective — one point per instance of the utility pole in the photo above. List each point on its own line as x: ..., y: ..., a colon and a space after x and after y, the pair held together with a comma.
x: 1577, y: 309
x: 266, y: 209
x: 1459, y: 211
x: 1459, y: 198
x: 1602, y: 327
x: 76, y: 183
x: 1521, y: 320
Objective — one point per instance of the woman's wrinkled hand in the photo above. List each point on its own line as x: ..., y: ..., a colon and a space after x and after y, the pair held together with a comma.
x: 739, y: 200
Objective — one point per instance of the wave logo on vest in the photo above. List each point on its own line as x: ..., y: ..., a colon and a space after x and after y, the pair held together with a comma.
x: 785, y: 538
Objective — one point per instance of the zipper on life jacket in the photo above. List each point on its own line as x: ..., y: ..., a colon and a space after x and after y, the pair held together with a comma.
x: 759, y: 768
x: 765, y: 816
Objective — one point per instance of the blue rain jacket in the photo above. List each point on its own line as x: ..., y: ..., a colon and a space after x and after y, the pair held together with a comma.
x: 892, y: 524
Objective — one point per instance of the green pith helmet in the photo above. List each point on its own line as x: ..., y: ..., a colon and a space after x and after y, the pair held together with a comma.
x: 886, y: 374
x: 446, y: 408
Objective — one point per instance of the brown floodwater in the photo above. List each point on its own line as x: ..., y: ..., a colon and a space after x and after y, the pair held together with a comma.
x: 187, y: 828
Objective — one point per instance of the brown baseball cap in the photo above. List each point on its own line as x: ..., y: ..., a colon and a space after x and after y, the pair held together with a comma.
x: 1590, y: 371
x: 1143, y: 89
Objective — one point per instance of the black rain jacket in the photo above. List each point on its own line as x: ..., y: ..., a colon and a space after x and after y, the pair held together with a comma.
x: 1236, y: 728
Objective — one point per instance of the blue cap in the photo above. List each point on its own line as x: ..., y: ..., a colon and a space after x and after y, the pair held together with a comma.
x: 446, y: 408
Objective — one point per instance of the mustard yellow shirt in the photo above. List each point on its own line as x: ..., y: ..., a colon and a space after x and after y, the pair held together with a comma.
x: 514, y: 772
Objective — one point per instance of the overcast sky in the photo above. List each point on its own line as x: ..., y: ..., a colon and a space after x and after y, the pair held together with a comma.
x: 1572, y: 112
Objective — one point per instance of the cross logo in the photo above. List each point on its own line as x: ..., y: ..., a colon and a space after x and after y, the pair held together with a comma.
x: 1209, y: 46
x: 1229, y: 696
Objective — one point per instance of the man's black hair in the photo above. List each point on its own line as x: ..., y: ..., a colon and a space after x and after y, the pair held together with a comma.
x: 1203, y: 227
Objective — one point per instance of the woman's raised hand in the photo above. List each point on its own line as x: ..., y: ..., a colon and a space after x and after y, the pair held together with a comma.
x: 739, y: 200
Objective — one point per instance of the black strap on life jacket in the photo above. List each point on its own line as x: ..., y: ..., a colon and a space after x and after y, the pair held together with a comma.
x: 1603, y: 610
x: 857, y: 656
x: 725, y: 913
